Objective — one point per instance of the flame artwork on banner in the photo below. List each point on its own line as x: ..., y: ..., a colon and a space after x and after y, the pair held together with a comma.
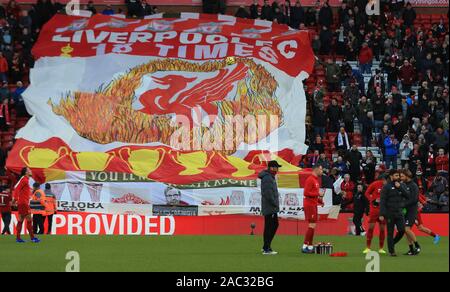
x: 180, y: 111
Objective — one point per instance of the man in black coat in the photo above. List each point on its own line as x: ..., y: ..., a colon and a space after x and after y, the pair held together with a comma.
x: 409, y: 15
x: 267, y: 13
x: 326, y: 15
x: 360, y: 207
x: 411, y: 206
x: 270, y: 204
x: 392, y: 202
x: 354, y: 158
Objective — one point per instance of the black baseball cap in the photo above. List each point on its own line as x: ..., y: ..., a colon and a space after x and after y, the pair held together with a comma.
x: 273, y: 163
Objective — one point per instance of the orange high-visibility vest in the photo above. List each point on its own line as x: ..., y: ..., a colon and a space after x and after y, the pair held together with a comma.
x: 37, y: 203
x: 50, y: 204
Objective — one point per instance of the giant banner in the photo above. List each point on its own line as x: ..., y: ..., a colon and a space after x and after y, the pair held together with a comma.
x: 170, y: 102
x: 334, y: 3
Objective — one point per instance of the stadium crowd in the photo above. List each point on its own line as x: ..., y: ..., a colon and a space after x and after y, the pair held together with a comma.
x: 378, y: 97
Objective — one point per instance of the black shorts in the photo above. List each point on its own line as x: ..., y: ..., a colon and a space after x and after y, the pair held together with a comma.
x: 411, y: 216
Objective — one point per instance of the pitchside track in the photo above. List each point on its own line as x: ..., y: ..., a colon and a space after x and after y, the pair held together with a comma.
x: 206, y: 253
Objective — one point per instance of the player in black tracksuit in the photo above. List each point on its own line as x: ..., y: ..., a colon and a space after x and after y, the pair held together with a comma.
x: 411, y: 206
x: 392, y: 201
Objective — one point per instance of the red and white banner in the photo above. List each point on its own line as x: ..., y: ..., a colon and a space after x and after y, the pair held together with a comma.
x: 174, y: 103
x: 192, y: 36
x: 334, y: 3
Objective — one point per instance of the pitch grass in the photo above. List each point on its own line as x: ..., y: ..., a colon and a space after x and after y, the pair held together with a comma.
x: 206, y: 253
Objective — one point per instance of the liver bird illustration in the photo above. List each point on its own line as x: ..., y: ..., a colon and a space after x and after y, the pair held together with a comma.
x: 175, y: 97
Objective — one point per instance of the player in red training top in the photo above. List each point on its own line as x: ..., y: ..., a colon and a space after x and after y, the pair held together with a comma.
x: 373, y: 193
x: 422, y: 202
x: 312, y: 198
x: 22, y: 197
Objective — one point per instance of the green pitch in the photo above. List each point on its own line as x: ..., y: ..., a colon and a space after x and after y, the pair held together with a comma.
x: 206, y: 253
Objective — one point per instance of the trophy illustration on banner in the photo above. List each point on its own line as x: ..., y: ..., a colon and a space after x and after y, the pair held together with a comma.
x: 75, y: 189
x: 242, y: 166
x: 142, y: 162
x: 93, y: 161
x: 95, y: 191
x: 58, y: 189
x: 193, y: 162
x: 41, y: 157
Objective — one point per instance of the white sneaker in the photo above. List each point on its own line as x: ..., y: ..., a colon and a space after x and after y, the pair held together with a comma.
x: 269, y: 252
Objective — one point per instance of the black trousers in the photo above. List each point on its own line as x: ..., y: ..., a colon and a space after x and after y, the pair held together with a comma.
x: 393, y: 221
x: 6, y: 218
x: 49, y: 224
x: 270, y: 229
x: 38, y: 224
x: 357, y: 221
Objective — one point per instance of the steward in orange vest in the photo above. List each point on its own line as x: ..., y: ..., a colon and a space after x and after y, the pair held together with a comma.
x: 51, y: 205
x: 37, y: 206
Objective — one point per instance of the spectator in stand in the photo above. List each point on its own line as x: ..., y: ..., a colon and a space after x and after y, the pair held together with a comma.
x: 297, y: 15
x: 409, y: 16
x: 392, y: 75
x: 334, y: 115
x: 441, y: 163
x: 133, y: 7
x: 365, y: 59
x: 317, y: 145
x: 324, y: 162
x: 332, y: 75
x: 376, y: 82
x: 326, y: 15
x: 254, y: 9
x: 144, y: 9
x: 279, y: 16
x: 347, y: 190
x: 4, y: 91
x: 5, y: 119
x: 352, y: 93
x: 379, y: 111
x: 391, y: 150
x: 405, y: 148
x: 341, y: 166
x: 314, y: 158
x: 366, y: 123
x: 348, y: 116
x: 18, y: 101
x: 444, y: 123
x: 354, y: 158
x: 368, y: 166
x: 319, y: 121
x: 242, y: 12
x: 267, y: 12
x: 4, y: 68
x: 440, y: 139
x: 310, y: 17
x: 342, y: 141
x: 90, y: 7
x: 316, y: 44
x: 407, y: 76
x: 438, y: 187
x: 108, y: 10
x: 326, y: 39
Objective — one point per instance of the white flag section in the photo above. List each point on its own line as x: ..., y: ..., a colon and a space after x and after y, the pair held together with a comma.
x: 73, y: 99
